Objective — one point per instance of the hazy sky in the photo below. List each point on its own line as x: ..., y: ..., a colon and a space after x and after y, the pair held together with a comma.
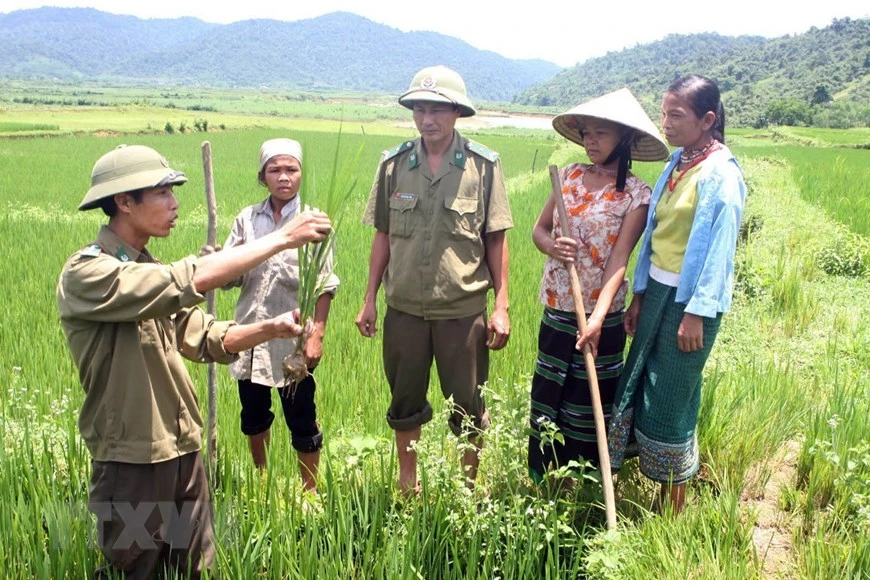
x: 559, y: 31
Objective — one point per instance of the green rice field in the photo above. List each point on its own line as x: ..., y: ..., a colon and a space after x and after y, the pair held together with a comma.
x: 784, y: 490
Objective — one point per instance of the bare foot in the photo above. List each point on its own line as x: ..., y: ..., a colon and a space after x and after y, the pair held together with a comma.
x: 409, y: 490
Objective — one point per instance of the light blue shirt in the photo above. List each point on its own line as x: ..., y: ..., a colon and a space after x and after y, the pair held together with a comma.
x: 707, y: 276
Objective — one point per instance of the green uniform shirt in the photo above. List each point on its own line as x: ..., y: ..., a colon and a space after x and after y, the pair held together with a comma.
x: 436, y: 226
x: 128, y: 320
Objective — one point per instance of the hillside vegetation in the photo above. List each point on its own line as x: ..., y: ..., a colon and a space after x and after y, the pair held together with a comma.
x: 337, y: 51
x: 821, y: 77
x: 818, y: 78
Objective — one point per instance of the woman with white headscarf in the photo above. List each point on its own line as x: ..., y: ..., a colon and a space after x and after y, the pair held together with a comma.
x: 273, y: 287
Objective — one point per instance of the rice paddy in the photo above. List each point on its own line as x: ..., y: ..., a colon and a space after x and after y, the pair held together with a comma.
x: 791, y: 370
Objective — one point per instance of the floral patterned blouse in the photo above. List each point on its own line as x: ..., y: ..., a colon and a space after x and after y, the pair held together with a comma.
x: 595, y: 218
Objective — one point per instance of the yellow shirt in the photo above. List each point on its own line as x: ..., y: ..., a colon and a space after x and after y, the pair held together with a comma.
x: 129, y: 320
x: 674, y: 215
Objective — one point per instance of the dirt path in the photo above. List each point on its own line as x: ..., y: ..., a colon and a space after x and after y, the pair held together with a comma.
x: 771, y: 534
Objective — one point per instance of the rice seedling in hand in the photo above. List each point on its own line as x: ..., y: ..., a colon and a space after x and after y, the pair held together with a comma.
x: 316, y: 260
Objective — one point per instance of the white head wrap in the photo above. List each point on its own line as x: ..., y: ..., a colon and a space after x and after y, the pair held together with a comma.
x: 275, y: 147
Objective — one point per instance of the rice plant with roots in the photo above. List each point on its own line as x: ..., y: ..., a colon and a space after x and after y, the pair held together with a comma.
x: 316, y: 260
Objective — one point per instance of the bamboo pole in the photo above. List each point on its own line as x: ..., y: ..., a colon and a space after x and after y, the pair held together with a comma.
x: 580, y: 311
x: 211, y: 240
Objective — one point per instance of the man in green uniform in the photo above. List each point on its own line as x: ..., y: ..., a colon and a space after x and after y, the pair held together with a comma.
x: 129, y: 320
x: 440, y: 211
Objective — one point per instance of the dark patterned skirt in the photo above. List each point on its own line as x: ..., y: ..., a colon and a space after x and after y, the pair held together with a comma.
x: 660, y: 392
x: 561, y: 404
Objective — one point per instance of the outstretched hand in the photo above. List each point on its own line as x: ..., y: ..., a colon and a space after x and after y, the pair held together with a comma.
x: 308, y: 226
x: 288, y: 325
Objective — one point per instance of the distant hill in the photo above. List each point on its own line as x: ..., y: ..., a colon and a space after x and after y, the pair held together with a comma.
x: 82, y: 42
x: 646, y: 69
x: 338, y: 51
x: 820, y: 77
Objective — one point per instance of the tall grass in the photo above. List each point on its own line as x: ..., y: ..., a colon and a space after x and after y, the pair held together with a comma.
x: 833, y: 178
x: 314, y: 258
x: 762, y: 387
x: 834, y: 483
x: 316, y: 261
x: 737, y: 435
x: 792, y: 299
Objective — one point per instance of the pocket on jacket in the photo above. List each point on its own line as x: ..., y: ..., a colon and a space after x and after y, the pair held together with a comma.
x: 150, y: 334
x: 401, y: 215
x: 461, y: 217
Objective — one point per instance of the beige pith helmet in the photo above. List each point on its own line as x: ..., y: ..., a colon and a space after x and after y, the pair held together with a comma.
x: 438, y: 84
x: 618, y: 107
x: 128, y: 168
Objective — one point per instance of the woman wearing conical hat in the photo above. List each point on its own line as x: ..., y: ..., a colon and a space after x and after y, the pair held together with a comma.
x: 607, y: 209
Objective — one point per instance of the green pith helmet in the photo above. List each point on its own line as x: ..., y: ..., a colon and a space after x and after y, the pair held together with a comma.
x: 127, y: 169
x: 438, y: 84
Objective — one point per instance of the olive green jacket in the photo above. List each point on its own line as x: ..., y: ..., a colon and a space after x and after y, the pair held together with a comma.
x: 437, y: 223
x: 129, y: 320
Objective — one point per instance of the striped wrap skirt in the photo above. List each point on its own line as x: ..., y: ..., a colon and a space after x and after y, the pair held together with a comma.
x: 561, y: 403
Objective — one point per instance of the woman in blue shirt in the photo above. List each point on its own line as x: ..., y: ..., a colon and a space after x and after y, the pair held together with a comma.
x: 682, y: 285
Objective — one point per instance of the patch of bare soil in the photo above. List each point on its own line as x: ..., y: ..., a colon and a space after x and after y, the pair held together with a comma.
x: 771, y: 534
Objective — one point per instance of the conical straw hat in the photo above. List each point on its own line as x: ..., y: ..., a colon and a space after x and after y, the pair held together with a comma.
x: 619, y: 107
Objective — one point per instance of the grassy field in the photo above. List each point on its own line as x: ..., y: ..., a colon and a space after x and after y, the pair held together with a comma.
x: 785, y: 485
x: 857, y: 137
x: 35, y: 109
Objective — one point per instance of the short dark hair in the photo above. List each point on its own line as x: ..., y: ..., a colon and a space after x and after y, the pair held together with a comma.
x: 702, y: 94
x: 110, y: 208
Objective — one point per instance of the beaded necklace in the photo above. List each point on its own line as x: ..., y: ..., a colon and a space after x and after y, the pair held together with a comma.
x: 688, y: 157
x: 693, y: 161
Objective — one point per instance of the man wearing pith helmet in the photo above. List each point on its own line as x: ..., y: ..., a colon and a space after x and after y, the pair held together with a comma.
x: 440, y: 211
x: 129, y: 320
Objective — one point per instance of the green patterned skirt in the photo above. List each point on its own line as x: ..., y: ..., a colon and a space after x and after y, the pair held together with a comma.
x: 659, y: 392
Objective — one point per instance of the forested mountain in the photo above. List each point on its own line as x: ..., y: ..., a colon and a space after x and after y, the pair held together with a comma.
x: 820, y: 77
x: 338, y: 51
x: 82, y: 42
x: 646, y: 69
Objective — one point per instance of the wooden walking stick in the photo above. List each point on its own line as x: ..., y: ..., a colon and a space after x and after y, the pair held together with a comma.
x: 211, y: 240
x: 580, y: 311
